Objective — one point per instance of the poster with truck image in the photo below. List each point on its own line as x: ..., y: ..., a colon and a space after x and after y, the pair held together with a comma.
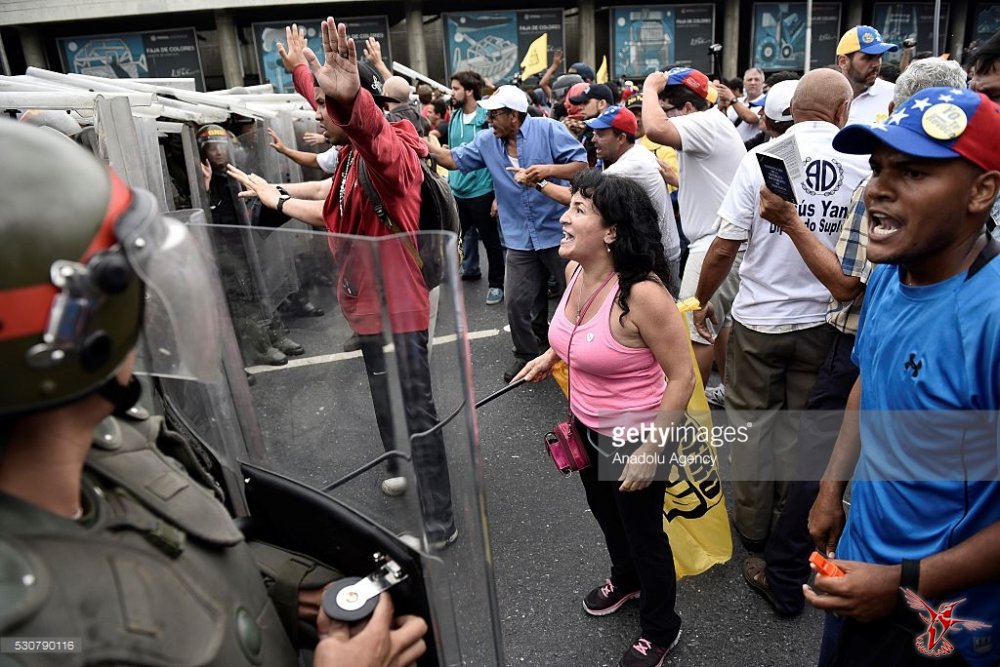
x: 779, y: 35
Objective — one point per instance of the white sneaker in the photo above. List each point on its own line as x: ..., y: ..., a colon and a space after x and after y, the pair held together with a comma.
x: 394, y: 486
x: 716, y: 395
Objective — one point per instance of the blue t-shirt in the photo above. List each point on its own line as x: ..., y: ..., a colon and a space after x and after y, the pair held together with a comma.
x: 927, y: 476
x: 529, y: 220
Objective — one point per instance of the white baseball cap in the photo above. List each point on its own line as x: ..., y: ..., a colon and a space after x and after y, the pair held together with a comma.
x: 506, y: 97
x: 779, y: 99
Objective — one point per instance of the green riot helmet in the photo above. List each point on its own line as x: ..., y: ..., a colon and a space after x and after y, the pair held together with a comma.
x: 88, y: 265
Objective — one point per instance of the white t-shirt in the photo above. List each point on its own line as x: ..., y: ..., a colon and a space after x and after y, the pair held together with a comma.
x: 745, y: 130
x: 640, y: 165
x: 327, y: 160
x: 873, y: 104
x: 776, y: 285
x: 711, y: 150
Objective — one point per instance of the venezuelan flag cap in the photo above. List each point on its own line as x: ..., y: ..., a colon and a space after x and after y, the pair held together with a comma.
x: 865, y: 39
x: 937, y: 124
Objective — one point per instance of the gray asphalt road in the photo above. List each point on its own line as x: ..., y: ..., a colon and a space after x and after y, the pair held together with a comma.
x: 548, y: 551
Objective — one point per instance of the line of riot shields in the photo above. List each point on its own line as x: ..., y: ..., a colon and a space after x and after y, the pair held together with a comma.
x: 304, y: 412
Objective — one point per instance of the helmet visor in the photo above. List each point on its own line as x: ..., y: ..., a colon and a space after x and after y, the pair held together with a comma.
x: 180, y: 333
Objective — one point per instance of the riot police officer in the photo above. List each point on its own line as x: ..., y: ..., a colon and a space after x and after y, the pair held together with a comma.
x: 106, y: 539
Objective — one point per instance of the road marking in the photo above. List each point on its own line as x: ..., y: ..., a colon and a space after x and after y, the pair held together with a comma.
x: 304, y: 362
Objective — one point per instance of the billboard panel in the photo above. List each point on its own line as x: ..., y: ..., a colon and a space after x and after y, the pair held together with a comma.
x: 646, y: 39
x: 493, y: 43
x: 779, y: 35
x: 266, y: 37
x: 150, y: 54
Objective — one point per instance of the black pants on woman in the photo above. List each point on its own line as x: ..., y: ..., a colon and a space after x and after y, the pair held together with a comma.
x: 640, y: 552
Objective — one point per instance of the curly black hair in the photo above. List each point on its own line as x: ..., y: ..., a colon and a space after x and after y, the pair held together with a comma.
x: 637, y: 252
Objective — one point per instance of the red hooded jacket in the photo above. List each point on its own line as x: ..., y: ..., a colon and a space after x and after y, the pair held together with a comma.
x: 371, y: 274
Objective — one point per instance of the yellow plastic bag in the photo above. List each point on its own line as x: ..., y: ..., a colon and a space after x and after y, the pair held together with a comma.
x: 694, y: 507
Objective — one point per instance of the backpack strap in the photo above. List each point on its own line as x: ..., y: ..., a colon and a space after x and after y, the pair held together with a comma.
x: 989, y: 251
x: 366, y: 184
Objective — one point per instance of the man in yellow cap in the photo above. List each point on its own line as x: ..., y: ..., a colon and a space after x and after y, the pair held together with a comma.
x: 859, y: 57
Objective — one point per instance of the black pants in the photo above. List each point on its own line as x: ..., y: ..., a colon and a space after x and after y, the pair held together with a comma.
x: 788, y: 549
x: 476, y: 212
x: 430, y: 463
x: 640, y: 553
x: 887, y: 642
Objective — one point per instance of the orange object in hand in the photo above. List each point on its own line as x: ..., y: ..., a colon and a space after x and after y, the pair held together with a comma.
x: 823, y: 566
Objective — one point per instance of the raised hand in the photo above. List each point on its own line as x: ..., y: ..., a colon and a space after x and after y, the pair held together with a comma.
x: 373, y: 52
x: 338, y: 75
x: 294, y: 54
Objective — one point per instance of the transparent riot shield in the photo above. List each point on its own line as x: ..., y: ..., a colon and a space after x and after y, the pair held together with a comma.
x: 367, y: 440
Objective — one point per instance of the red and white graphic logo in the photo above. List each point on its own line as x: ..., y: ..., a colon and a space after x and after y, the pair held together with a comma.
x: 940, y: 622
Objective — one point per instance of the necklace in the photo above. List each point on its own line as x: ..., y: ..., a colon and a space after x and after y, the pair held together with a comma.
x: 579, y: 294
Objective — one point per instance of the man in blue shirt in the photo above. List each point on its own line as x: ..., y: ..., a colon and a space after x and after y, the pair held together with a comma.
x: 474, y: 190
x: 923, y: 536
x: 538, y: 150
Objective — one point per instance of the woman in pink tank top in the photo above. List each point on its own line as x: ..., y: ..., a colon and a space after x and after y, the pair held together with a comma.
x: 629, y: 366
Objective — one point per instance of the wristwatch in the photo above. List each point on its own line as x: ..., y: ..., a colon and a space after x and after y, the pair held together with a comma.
x: 540, y: 185
x: 283, y: 196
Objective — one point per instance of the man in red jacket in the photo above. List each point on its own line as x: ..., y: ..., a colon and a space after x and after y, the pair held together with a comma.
x: 391, y: 153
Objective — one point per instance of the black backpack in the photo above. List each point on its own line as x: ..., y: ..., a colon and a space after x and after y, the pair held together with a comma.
x: 438, y: 212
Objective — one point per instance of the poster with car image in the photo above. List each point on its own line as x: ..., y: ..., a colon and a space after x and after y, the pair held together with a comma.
x: 650, y: 38
x: 267, y: 36
x: 907, y: 20
x: 493, y: 43
x: 155, y: 54
x: 779, y: 35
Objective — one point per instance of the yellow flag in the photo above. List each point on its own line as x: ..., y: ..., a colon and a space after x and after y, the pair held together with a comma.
x: 602, y: 71
x: 537, y: 58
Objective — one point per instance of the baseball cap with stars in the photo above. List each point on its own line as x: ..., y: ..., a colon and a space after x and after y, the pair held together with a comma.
x: 937, y: 124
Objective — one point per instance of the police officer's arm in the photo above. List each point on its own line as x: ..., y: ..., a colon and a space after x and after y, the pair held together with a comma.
x: 659, y: 128
x: 822, y: 262
x: 383, y: 642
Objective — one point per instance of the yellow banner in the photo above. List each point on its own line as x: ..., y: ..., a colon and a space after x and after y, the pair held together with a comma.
x: 602, y: 71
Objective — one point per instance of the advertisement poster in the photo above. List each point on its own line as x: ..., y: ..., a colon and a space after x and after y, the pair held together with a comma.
x: 493, y: 43
x: 901, y: 20
x: 987, y: 22
x: 153, y: 54
x: 646, y: 39
x: 267, y: 36
x: 779, y: 35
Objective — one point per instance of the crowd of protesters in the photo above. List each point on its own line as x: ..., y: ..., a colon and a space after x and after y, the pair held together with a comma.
x: 864, y: 295
x: 889, y: 230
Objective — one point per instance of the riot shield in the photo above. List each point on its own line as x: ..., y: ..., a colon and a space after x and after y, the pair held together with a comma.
x: 367, y: 442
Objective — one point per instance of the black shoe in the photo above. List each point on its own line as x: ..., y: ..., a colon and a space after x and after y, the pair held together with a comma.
x: 516, y: 366
x: 645, y: 653
x: 606, y: 599
x: 288, y: 346
x: 294, y: 308
x: 471, y: 276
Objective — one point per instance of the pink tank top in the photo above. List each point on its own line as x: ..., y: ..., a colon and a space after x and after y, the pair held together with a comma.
x: 611, y: 384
